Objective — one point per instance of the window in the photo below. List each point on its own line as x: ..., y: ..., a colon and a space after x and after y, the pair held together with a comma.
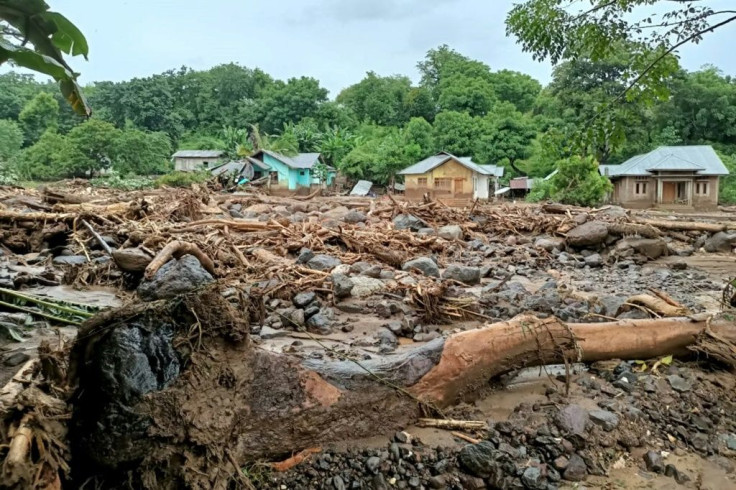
x: 640, y: 188
x: 701, y: 188
x: 443, y: 184
x: 301, y: 172
x: 422, y: 181
x: 206, y: 164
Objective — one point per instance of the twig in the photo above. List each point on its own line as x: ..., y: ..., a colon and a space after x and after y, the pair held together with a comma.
x: 465, y: 438
x: 97, y: 236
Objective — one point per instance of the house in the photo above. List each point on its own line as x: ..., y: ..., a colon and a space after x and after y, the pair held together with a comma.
x: 293, y: 172
x: 448, y: 176
x: 670, y: 176
x: 247, y: 169
x: 193, y: 160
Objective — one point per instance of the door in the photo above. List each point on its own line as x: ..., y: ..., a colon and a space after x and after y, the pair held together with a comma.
x: 457, y: 186
x: 669, y: 192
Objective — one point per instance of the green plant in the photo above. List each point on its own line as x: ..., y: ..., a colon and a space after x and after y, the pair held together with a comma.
x: 7, y: 175
x: 577, y: 182
x: 128, y: 183
x: 182, y: 179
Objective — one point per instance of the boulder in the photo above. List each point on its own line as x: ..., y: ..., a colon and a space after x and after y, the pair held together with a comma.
x: 462, y: 273
x: 70, y: 260
x: 174, y: 278
x: 450, y: 232
x: 652, y: 248
x: 572, y: 419
x: 409, y: 222
x: 587, y: 234
x: 425, y: 265
x: 341, y: 285
x: 594, y: 260
x: 323, y: 262
x: 479, y: 459
x: 302, y: 300
x: 336, y: 213
x: 132, y: 259
x: 576, y: 469
x: 550, y: 243
x: 604, y: 418
x: 354, y: 216
x: 720, y: 242
x: 365, y: 286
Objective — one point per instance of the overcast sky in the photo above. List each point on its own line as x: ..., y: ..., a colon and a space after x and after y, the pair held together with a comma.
x: 335, y: 41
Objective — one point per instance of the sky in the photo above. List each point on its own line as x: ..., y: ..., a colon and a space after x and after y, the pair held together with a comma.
x: 335, y: 41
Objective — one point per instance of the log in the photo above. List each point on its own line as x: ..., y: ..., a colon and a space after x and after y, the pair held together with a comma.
x: 177, y: 249
x: 17, y: 383
x: 682, y: 225
x: 659, y: 305
x: 20, y: 446
x: 450, y: 424
x: 97, y: 236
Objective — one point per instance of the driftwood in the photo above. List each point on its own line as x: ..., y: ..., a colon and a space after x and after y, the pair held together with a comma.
x: 176, y: 249
x: 450, y: 424
x: 17, y: 383
x: 659, y: 305
x: 682, y: 225
x: 97, y: 236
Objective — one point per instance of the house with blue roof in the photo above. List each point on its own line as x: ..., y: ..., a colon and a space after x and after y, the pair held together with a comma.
x: 293, y: 172
x: 670, y: 176
x: 445, y: 175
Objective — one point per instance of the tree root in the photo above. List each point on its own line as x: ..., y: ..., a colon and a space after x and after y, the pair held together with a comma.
x: 177, y: 249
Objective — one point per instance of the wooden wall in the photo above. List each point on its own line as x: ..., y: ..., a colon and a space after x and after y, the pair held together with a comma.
x: 460, y: 180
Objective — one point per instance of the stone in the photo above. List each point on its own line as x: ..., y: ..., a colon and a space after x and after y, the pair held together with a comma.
x: 572, y: 419
x: 372, y: 271
x: 311, y: 310
x: 305, y: 255
x: 604, y: 418
x: 560, y: 463
x: 323, y: 262
x: 234, y: 213
x: 372, y: 464
x: 70, y: 260
x: 479, y: 459
x: 612, y: 211
x: 532, y: 478
x: 678, y: 383
x: 576, y: 469
x: 611, y: 304
x: 550, y: 243
x: 341, y: 285
x: 462, y: 273
x: 395, y: 327
x: 426, y: 231
x: 271, y: 333
x: 320, y: 323
x: 679, y: 265
x: 338, y: 483
x: 409, y: 222
x: 386, y: 338
x: 450, y: 232
x: 354, y: 216
x: 365, y: 286
x: 301, y: 300
x: 425, y: 265
x: 132, y: 259
x: 174, y: 278
x: 720, y: 242
x: 652, y: 248
x: 581, y: 218
x: 588, y: 234
x: 297, y: 317
x: 653, y: 462
x: 594, y: 260
x: 729, y: 440
x: 16, y: 359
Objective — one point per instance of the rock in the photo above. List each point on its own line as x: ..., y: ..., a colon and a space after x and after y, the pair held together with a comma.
x: 450, y: 232
x: 572, y: 419
x: 543, y: 303
x: 297, y: 317
x: 478, y: 459
x: 590, y: 233
x: 174, y: 278
x: 234, y: 213
x: 611, y: 304
x: 426, y: 231
x: 271, y: 333
x: 604, y: 418
x: 679, y: 265
x: 365, y: 286
x: 576, y: 469
x: 336, y: 213
x: 532, y: 478
x: 594, y: 260
x: 409, y: 222
x: 323, y: 262
x: 652, y: 248
x: 729, y: 440
x: 341, y: 285
x: 720, y: 242
x: 372, y: 271
x: 613, y: 212
x: 354, y: 216
x: 132, y: 259
x: 462, y: 273
x: 581, y: 218
x: 305, y: 255
x: 320, y: 323
x: 338, y: 483
x: 311, y: 310
x: 550, y: 243
x: 16, y: 359
x: 372, y: 464
x: 653, y: 462
x: 70, y: 260
x: 425, y: 265
x: 301, y: 300
x: 678, y: 383
x: 386, y: 338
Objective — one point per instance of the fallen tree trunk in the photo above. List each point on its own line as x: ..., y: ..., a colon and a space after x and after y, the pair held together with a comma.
x: 682, y: 225
x: 175, y: 250
x: 192, y: 405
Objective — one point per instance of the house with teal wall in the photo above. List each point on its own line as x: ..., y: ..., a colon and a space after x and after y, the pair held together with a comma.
x: 293, y: 172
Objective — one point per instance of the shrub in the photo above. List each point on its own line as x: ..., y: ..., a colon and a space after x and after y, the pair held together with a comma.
x: 128, y: 183
x: 576, y: 182
x: 182, y: 179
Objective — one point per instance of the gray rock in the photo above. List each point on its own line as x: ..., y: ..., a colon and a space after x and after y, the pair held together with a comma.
x: 532, y: 478
x: 594, y: 260
x: 652, y: 248
x: 386, y: 338
x: 372, y: 271
x: 543, y: 303
x: 581, y: 218
x: 174, y: 278
x: 604, y: 418
x: 590, y: 233
x: 550, y: 243
x: 323, y: 262
x: 572, y: 419
x: 372, y: 464
x: 409, y: 222
x: 426, y: 231
x: 305, y: 255
x: 16, y: 359
x: 70, y: 260
x: 338, y: 483
x: 479, y: 459
x: 311, y: 310
x: 297, y: 317
x: 301, y: 300
x: 462, y: 273
x: 341, y: 285
x: 236, y: 214
x: 653, y: 462
x: 611, y: 304
x: 678, y: 383
x: 425, y: 265
x: 354, y: 216
x: 729, y: 440
x: 450, y: 232
x: 576, y: 469
x: 320, y: 323
x: 365, y: 286
x: 132, y: 259
x: 271, y: 333
x: 613, y: 212
x: 720, y: 242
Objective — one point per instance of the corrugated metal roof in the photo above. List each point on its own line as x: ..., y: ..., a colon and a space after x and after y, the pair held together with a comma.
x: 301, y: 160
x: 198, y: 154
x: 436, y: 160
x: 362, y: 188
x: 701, y: 159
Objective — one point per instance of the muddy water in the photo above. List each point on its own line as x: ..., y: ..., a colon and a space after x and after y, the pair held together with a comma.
x: 95, y: 296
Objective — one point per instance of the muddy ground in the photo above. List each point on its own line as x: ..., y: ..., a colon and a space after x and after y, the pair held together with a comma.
x: 343, y: 278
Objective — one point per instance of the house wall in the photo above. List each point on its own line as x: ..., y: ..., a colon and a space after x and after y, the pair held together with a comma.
x: 711, y: 199
x: 287, y: 177
x: 449, y: 170
x: 481, y: 186
x: 193, y: 164
x: 624, y: 192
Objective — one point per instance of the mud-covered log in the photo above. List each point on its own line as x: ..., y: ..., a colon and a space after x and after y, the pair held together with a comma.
x: 683, y: 225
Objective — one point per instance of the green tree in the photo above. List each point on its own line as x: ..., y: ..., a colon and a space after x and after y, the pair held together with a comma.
x: 456, y: 132
x: 576, y: 182
x: 44, y: 160
x: 506, y: 138
x: 381, y: 100
x: 727, y: 191
x: 462, y: 93
x: 142, y: 153
x: 419, y: 103
x: 292, y: 101
x: 11, y: 139
x: 419, y: 132
x: 334, y: 144
x: 91, y: 148
x: 39, y: 115
x: 15, y: 92
x: 518, y: 88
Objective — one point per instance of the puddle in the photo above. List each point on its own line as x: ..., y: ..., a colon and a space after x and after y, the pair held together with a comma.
x: 97, y: 297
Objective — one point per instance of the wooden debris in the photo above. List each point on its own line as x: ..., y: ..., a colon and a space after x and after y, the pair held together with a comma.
x: 451, y: 424
x: 659, y: 305
x: 298, y: 458
x: 177, y: 249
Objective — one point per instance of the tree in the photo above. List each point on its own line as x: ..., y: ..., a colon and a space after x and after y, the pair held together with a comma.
x: 91, y: 148
x: 139, y: 152
x: 38, y: 116
x: 518, y: 88
x: 334, y: 144
x: 36, y: 38
x: 506, y: 138
x: 11, y: 139
x: 381, y: 100
x: 461, y: 93
x: 44, y: 160
x: 456, y: 132
x: 419, y: 132
x: 15, y: 91
x: 576, y: 182
x: 292, y: 101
